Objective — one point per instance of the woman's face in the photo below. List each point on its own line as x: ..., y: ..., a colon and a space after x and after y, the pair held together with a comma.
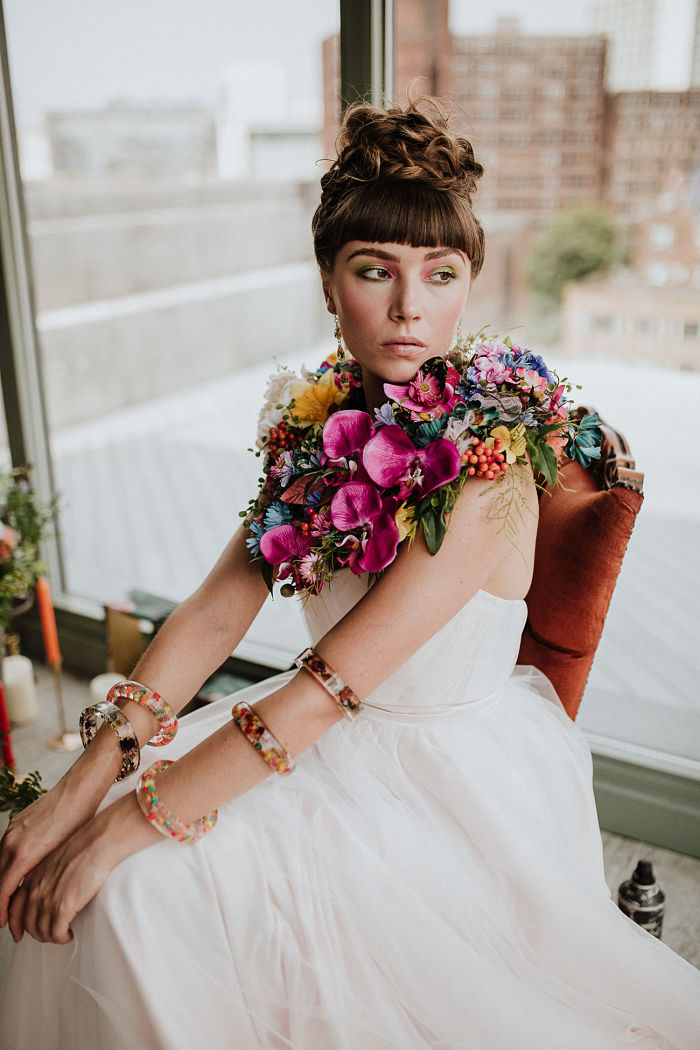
x: 397, y: 305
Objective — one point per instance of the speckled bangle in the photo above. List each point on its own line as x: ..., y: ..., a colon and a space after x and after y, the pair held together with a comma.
x: 256, y: 732
x: 154, y: 702
x: 160, y: 816
x: 335, y: 686
x: 128, y: 744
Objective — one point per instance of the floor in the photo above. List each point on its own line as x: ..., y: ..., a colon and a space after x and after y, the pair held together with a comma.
x: 678, y: 874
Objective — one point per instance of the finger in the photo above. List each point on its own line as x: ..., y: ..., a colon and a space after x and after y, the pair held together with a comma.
x: 16, y: 913
x: 13, y: 868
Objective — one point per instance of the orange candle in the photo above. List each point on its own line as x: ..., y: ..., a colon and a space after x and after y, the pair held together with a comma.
x: 48, y: 621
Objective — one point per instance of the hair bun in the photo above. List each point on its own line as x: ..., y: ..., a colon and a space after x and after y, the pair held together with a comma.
x: 406, y: 144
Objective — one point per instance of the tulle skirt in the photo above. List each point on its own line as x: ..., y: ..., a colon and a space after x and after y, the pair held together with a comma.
x: 416, y: 884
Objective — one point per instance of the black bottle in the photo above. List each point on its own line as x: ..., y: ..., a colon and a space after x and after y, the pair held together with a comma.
x: 642, y: 899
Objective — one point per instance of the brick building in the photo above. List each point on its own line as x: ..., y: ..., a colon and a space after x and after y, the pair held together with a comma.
x: 534, y: 109
x: 650, y: 136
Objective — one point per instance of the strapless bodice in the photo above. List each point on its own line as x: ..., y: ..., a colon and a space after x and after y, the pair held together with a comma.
x: 467, y: 661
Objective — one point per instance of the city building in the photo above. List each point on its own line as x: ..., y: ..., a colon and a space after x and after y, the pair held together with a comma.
x: 650, y: 136
x: 534, y: 109
x: 623, y: 317
x: 652, y: 44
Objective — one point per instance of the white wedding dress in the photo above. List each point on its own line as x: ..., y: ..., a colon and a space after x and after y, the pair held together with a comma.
x: 430, y: 876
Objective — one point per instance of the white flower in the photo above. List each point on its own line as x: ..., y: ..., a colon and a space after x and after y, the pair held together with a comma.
x: 278, y: 392
x: 457, y: 431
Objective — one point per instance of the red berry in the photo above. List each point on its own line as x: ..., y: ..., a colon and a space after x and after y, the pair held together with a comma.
x: 471, y: 471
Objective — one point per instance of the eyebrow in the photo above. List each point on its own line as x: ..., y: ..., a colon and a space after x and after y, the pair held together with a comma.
x: 379, y: 253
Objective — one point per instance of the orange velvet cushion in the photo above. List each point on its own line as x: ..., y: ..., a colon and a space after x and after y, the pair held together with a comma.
x: 581, y: 541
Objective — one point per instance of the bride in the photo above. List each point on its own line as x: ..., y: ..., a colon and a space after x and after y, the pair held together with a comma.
x: 431, y: 874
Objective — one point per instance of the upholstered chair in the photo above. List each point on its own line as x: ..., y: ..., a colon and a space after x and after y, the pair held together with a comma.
x: 582, y: 536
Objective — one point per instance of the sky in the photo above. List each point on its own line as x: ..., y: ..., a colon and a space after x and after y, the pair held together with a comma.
x: 75, y: 54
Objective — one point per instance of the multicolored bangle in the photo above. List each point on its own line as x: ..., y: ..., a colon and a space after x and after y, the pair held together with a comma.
x: 128, y: 744
x: 268, y: 747
x: 335, y: 686
x: 160, y: 816
x: 154, y: 702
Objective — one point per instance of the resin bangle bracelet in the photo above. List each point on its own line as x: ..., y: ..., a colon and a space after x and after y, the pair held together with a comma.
x: 256, y: 732
x: 154, y: 702
x: 128, y: 744
x: 160, y: 816
x: 331, y: 681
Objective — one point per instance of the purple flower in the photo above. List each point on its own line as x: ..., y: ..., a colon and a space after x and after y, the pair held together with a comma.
x: 359, y: 509
x: 390, y: 457
x: 384, y: 416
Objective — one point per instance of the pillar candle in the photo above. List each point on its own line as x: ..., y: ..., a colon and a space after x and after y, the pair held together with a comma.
x: 48, y: 621
x: 20, y: 690
x: 7, y: 756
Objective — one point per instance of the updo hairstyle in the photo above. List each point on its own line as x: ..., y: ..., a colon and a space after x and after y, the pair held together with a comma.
x: 402, y: 177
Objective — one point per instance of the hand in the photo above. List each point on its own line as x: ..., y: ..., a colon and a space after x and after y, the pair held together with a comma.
x: 39, y: 829
x: 53, y: 892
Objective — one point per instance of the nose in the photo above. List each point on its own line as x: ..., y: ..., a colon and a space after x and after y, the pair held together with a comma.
x: 406, y: 302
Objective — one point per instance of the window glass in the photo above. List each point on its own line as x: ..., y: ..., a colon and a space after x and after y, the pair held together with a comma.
x: 630, y: 335
x: 170, y: 161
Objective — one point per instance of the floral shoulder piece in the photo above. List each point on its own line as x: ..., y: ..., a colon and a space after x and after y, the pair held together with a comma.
x: 341, y: 488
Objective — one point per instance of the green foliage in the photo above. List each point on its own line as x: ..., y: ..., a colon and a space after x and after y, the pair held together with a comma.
x: 16, y: 795
x: 23, y: 525
x: 581, y: 241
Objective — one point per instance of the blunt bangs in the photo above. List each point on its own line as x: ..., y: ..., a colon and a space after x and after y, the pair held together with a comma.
x: 399, y: 211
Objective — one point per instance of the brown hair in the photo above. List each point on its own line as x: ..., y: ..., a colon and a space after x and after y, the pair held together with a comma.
x: 401, y: 176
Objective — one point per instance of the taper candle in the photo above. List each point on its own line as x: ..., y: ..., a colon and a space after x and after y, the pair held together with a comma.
x: 6, y: 753
x: 48, y: 621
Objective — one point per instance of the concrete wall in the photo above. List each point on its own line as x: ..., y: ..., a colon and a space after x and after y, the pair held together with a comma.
x: 142, y: 292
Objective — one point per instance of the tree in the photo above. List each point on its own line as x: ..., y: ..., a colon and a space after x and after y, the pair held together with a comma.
x: 580, y: 241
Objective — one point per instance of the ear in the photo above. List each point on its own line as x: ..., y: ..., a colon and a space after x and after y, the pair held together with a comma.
x: 328, y: 292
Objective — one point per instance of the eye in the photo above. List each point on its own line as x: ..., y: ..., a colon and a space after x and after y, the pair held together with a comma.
x: 375, y: 273
x: 445, y: 275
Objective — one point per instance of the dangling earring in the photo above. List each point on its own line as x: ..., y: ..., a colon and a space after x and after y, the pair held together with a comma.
x: 339, y: 339
x: 460, y: 335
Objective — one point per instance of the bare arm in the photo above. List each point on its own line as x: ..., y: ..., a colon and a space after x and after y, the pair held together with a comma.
x: 225, y: 765
x: 193, y: 642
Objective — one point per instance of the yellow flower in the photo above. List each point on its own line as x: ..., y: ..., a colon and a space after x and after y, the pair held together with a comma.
x: 513, y: 443
x: 313, y: 400
x: 405, y: 522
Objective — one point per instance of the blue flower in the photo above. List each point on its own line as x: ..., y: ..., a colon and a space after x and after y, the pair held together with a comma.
x: 534, y: 361
x: 314, y: 498
x: 315, y: 459
x: 384, y: 415
x: 277, y: 513
x: 253, y: 542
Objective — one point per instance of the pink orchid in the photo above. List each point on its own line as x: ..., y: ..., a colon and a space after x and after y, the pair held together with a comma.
x: 282, y: 545
x: 360, y: 510
x: 390, y: 457
x: 346, y: 432
x: 424, y: 396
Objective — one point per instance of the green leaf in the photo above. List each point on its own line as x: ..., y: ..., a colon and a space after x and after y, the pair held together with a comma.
x: 267, y: 574
x: 547, y: 463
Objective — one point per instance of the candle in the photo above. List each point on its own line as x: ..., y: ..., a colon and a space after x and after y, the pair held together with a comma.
x: 48, y: 621
x: 6, y: 753
x: 20, y: 690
